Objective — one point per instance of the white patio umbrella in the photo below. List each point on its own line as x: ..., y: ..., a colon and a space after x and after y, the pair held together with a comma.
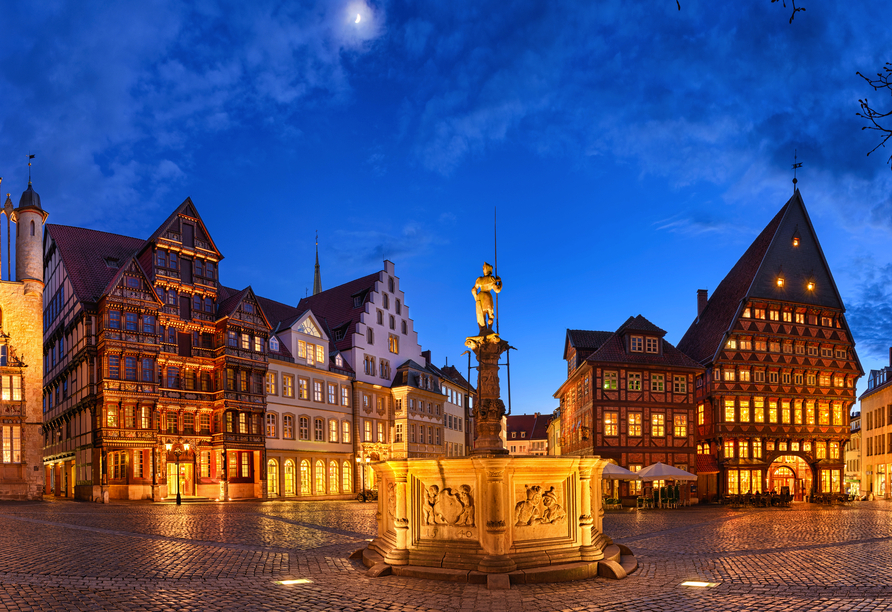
x: 615, y: 472
x: 661, y: 471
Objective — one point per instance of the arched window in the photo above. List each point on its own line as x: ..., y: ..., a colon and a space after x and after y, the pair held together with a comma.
x: 304, y: 477
x: 320, y: 478
x: 32, y: 228
x: 347, y: 484
x: 332, y: 477
x: 289, y: 477
x: 272, y: 478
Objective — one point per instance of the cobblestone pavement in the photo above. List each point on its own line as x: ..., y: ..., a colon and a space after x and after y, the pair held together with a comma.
x: 63, y: 555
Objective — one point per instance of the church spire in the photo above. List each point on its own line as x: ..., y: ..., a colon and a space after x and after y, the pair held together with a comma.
x: 317, y: 277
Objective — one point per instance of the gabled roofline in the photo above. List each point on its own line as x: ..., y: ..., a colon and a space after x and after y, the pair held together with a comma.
x: 117, y: 277
x: 179, y: 209
x: 309, y: 313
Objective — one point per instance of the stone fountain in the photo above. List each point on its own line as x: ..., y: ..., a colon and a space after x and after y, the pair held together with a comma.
x: 491, y: 518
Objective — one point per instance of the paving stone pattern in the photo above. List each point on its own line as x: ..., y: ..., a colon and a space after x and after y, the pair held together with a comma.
x: 64, y: 555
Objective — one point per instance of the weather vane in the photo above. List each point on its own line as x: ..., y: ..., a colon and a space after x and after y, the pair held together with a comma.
x: 795, y: 166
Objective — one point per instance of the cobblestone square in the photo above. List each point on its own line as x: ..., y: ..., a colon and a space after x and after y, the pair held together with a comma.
x: 129, y: 556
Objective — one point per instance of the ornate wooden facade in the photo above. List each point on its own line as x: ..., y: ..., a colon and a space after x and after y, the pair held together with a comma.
x: 628, y: 397
x: 148, y: 350
x: 773, y: 405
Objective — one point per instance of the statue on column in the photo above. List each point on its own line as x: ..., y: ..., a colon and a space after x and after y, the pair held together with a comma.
x: 481, y: 292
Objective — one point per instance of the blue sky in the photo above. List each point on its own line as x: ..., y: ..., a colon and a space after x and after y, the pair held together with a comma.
x: 633, y: 150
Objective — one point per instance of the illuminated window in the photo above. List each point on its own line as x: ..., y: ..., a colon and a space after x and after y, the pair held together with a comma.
x: 746, y: 344
x: 634, y: 423
x: 785, y: 411
x: 701, y: 414
x: 780, y: 281
x: 287, y: 385
x: 680, y: 422
x: 787, y: 316
x: 759, y: 409
x: 634, y: 381
x: 774, y: 315
x: 288, y: 427
x: 729, y: 449
x: 611, y: 424
x: 320, y: 478
x: 759, y: 313
x: 332, y: 430
x: 746, y: 313
x: 731, y: 344
x: 610, y: 380
x: 729, y: 374
x: 270, y: 425
x: 743, y: 449
x: 744, y: 410
x: 658, y: 425
x: 729, y: 410
x: 757, y: 449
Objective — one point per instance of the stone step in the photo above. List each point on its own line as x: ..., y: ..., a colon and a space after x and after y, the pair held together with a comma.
x: 629, y: 563
x: 612, y: 553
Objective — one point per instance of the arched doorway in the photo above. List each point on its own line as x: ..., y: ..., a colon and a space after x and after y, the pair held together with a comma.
x: 790, y: 474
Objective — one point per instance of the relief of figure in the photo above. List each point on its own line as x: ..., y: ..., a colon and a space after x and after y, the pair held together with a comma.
x: 553, y: 512
x: 429, y: 512
x: 481, y: 292
x: 466, y: 518
x: 391, y: 498
x: 527, y: 512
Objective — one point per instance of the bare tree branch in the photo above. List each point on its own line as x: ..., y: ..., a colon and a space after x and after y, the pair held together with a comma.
x: 795, y: 10
x: 883, y: 81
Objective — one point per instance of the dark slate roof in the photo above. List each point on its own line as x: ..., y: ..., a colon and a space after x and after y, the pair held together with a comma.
x: 84, y: 253
x: 283, y: 353
x: 335, y: 305
x: 227, y: 306
x: 614, y: 351
x: 587, y: 339
x: 641, y: 324
x: 452, y: 374
x: 755, y: 274
x: 281, y: 316
x: 29, y: 199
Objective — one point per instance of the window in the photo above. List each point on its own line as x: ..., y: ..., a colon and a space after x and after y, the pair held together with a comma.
x: 679, y: 384
x: 318, y: 430
x: 367, y: 431
x: 303, y: 388
x: 658, y: 425
x: 270, y: 425
x: 772, y: 377
x: 345, y: 432
x: 787, y: 316
x: 731, y: 344
x: 317, y: 391
x: 636, y: 344
x: 746, y: 344
x: 633, y: 382
x: 114, y: 366
x: 380, y: 430
x: 258, y: 344
x: 743, y: 449
x: 611, y: 424
x: 812, y: 350
x: 610, y: 380
x: 271, y: 383
x: 657, y: 382
x: 743, y: 375
x: 774, y: 315
x: 130, y: 368
x: 651, y: 345
x: 405, y: 328
x: 287, y: 385
x: 345, y: 396
x: 680, y: 425
x: 114, y: 319
x: 701, y: 414
x: 729, y: 410
x: 729, y: 448
x: 823, y: 413
x: 759, y: 409
x: 746, y: 313
x: 825, y: 379
x: 112, y: 416
x: 634, y: 423
x: 759, y: 313
x: 786, y: 378
x: 332, y: 430
x: 744, y: 408
x: 242, y: 423
x: 370, y: 336
x: 320, y: 353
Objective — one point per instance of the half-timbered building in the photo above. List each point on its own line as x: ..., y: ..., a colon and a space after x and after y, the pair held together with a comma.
x: 781, y: 368
x: 154, y: 370
x: 628, y: 397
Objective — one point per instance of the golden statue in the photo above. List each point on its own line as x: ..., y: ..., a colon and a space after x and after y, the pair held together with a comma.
x: 481, y: 292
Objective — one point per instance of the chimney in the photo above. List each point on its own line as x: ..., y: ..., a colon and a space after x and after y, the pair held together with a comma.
x: 702, y: 297
x: 427, y: 357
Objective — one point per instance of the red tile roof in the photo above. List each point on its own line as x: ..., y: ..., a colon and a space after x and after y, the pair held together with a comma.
x: 84, y: 253
x: 281, y: 316
x: 534, y: 426
x: 584, y: 341
x: 707, y: 464
x: 334, y: 307
x: 613, y: 350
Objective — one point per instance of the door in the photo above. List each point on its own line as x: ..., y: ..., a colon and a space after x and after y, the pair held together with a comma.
x: 185, y: 479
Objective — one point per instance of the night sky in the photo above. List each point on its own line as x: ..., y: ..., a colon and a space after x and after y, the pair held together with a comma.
x: 633, y: 150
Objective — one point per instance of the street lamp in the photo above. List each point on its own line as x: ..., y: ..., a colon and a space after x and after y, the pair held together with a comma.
x: 178, y: 449
x: 362, y: 468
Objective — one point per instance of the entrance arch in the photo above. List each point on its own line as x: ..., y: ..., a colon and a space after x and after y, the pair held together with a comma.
x: 792, y: 472
x: 272, y: 477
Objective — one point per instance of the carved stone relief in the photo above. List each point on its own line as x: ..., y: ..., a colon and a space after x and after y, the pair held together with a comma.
x: 448, y: 507
x: 538, y: 508
x: 391, y: 498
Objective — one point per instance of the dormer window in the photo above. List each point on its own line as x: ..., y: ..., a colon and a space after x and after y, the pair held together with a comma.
x: 651, y: 345
x: 636, y: 344
x: 274, y: 344
x: 339, y: 361
x: 523, y: 434
x: 357, y: 301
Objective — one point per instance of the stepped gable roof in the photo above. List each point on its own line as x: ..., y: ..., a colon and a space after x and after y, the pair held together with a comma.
x: 335, y: 305
x: 614, y: 349
x: 84, y: 253
x: 584, y: 340
x: 754, y: 276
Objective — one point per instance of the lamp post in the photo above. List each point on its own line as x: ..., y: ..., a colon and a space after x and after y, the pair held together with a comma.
x: 178, y: 449
x: 362, y: 468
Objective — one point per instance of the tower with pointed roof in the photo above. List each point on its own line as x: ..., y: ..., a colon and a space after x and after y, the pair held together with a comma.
x: 21, y: 355
x: 781, y: 368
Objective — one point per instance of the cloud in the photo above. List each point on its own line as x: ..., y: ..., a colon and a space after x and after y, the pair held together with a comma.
x: 358, y: 249
x: 869, y: 312
x: 115, y: 98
